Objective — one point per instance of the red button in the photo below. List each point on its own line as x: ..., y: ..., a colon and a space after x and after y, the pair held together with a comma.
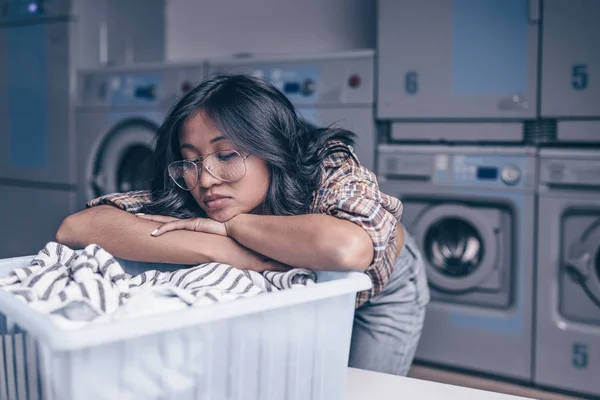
x: 354, y: 81
x: 186, y: 86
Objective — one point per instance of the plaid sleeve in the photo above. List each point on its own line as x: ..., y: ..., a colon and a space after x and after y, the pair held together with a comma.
x: 130, y: 201
x: 350, y: 191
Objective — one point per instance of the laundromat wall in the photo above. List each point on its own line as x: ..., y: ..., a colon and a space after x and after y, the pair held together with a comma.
x: 483, y: 117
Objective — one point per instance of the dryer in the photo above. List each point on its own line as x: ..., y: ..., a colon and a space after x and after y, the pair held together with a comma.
x: 567, y: 352
x: 467, y: 79
x: 471, y: 211
x: 569, y: 95
x: 326, y: 89
x: 119, y: 111
x: 40, y: 46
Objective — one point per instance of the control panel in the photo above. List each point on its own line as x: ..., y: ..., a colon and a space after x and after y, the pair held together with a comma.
x: 24, y: 10
x: 299, y: 84
x: 459, y: 169
x: 311, y: 82
x: 570, y: 168
x: 137, y: 88
x: 473, y: 169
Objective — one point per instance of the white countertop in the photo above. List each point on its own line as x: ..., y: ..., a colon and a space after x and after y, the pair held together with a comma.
x: 367, y: 385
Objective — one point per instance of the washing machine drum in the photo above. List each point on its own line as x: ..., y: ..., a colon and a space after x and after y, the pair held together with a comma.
x: 124, y: 162
x: 583, y: 261
x: 460, y: 245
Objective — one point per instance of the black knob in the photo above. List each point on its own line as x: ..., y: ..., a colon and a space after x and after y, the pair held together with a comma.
x: 308, y: 87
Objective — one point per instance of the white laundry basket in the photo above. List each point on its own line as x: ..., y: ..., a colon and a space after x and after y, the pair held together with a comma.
x: 285, y: 345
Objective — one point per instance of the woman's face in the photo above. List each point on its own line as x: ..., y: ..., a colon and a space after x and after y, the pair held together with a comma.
x: 219, y: 199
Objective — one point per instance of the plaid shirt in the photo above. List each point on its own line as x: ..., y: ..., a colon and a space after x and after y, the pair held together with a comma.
x: 348, y: 191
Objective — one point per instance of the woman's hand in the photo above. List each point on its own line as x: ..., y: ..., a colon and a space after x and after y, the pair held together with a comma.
x: 205, y: 225
x: 242, y: 258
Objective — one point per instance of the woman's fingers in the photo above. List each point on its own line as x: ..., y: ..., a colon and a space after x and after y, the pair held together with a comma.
x: 172, y: 226
x: 205, y: 225
x: 208, y: 225
x: 163, y: 219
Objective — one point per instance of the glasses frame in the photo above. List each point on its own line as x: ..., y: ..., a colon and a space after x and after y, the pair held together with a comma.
x: 200, y: 160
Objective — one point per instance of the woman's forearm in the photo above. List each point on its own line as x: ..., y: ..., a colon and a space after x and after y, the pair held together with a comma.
x: 126, y: 236
x: 312, y: 241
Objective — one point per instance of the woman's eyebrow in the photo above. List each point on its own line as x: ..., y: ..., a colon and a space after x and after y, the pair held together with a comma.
x: 187, y: 146
x: 213, y: 140
x: 216, y: 139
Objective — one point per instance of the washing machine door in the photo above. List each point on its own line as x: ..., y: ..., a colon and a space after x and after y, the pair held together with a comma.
x: 582, y: 261
x: 124, y: 161
x: 460, y: 245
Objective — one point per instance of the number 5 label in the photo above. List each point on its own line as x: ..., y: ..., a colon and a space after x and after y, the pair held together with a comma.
x: 579, y: 356
x: 579, y: 76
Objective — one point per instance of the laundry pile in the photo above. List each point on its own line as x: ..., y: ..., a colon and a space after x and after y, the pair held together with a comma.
x: 75, y: 289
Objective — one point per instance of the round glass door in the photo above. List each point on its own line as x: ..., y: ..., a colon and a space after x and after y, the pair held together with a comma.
x: 598, y: 264
x: 124, y: 161
x: 597, y: 277
x: 460, y: 245
x: 454, y: 247
x: 583, y: 262
x: 135, y: 169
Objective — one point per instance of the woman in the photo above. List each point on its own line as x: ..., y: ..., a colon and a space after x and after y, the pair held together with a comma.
x: 241, y: 179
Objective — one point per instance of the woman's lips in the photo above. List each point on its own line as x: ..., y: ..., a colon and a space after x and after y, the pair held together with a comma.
x: 214, y: 203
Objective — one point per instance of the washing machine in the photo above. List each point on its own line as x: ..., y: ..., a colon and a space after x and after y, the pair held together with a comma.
x: 326, y: 89
x: 567, y: 351
x: 471, y: 211
x: 118, y: 114
x: 37, y: 181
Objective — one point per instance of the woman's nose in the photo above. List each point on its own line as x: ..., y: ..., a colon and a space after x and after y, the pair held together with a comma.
x: 206, y: 179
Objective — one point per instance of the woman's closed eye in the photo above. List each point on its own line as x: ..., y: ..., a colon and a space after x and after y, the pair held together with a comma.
x: 221, y: 155
x: 226, y: 155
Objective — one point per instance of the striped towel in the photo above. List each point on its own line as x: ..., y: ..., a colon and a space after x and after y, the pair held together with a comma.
x: 75, y: 289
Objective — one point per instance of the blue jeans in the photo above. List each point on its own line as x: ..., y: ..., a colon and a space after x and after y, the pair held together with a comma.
x: 388, y: 326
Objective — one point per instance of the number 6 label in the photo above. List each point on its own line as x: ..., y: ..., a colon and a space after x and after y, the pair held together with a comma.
x: 411, y: 83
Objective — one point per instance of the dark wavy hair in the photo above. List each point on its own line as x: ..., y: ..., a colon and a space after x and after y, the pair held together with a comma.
x: 257, y: 117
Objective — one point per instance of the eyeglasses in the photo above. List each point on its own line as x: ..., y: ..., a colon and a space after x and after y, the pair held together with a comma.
x: 225, y: 165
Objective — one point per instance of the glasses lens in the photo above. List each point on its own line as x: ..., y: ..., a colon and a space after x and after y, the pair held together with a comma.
x: 227, y: 165
x: 184, y: 174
